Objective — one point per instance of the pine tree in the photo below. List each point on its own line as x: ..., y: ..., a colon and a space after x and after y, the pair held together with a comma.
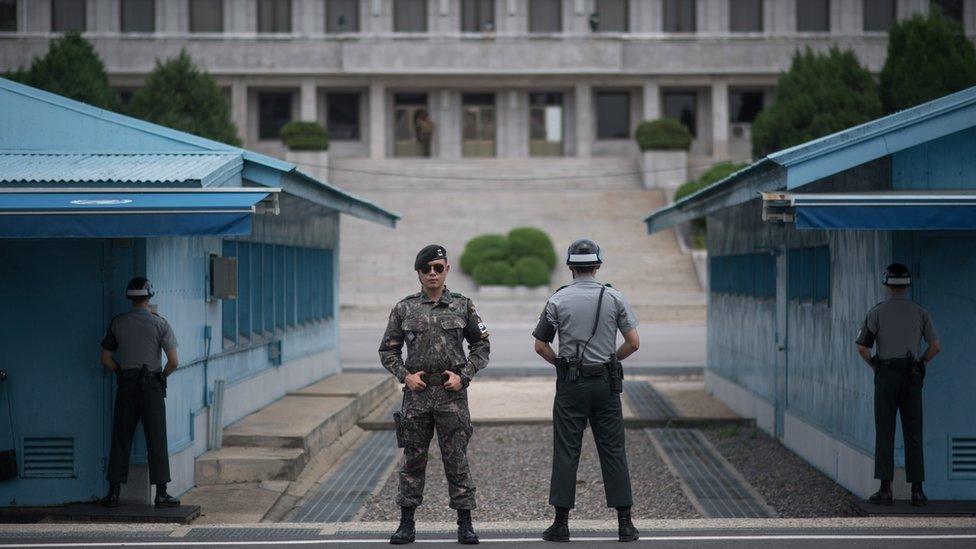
x: 179, y: 95
x: 70, y: 68
x: 819, y: 95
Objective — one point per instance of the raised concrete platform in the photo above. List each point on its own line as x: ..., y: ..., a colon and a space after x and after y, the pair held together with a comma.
x: 92, y: 512
x: 368, y: 389
x: 249, y: 464
x: 904, y: 508
x: 294, y: 422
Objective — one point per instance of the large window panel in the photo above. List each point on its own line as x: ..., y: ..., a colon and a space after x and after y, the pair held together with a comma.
x: 879, y: 15
x: 611, y: 16
x: 257, y: 290
x: 683, y: 107
x: 613, y: 115
x: 410, y: 15
x: 280, y: 288
x: 8, y: 15
x: 545, y: 124
x: 813, y: 15
x: 342, y: 16
x: 745, y: 15
x: 679, y: 16
x: 274, y: 16
x: 138, y: 15
x: 269, y: 283
x: 291, y: 289
x: 477, y: 15
x: 274, y: 111
x: 68, y: 15
x: 228, y: 307
x: 206, y: 16
x: 953, y: 9
x: 328, y: 284
x: 342, y: 116
x: 745, y: 105
x: 545, y: 16
x: 244, y: 292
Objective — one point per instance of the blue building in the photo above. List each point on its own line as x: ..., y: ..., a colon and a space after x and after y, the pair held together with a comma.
x: 794, y: 270
x: 90, y: 198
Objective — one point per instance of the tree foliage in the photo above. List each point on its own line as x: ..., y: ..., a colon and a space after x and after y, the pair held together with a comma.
x: 819, y: 95
x: 73, y: 69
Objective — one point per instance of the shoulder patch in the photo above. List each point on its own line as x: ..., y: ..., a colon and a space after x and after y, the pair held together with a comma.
x: 608, y: 285
x: 559, y: 289
x: 457, y: 294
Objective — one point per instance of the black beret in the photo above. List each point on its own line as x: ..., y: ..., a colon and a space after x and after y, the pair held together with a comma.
x: 428, y: 254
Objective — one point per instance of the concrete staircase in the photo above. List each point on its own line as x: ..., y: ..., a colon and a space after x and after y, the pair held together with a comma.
x: 449, y: 202
x: 276, y: 442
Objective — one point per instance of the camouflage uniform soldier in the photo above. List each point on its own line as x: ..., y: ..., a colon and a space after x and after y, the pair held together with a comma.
x: 436, y: 374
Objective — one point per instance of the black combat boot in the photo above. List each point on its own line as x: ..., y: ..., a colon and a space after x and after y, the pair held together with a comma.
x: 164, y: 500
x: 111, y: 499
x: 625, y: 526
x: 883, y: 495
x: 406, y: 532
x: 559, y: 531
x: 918, y: 496
x: 466, y: 534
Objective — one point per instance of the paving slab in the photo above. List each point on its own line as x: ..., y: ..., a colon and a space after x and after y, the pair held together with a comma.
x: 369, y: 389
x: 233, y: 464
x: 295, y: 422
x: 233, y: 503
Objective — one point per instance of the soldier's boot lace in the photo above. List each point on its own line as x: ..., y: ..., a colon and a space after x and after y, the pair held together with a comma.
x: 466, y: 533
x: 406, y: 532
x: 918, y: 496
x: 111, y: 499
x: 163, y: 499
x: 625, y: 526
x: 559, y: 531
x: 883, y: 495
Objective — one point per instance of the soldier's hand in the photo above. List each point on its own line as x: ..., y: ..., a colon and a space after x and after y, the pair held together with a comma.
x: 414, y: 383
x: 453, y: 382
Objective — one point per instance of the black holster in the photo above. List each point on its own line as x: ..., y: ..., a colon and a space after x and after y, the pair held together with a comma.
x: 916, y: 370
x: 399, y: 424
x: 616, y: 374
x: 162, y: 382
x: 568, y: 368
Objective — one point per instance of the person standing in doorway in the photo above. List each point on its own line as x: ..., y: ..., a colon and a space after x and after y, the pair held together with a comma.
x: 424, y: 129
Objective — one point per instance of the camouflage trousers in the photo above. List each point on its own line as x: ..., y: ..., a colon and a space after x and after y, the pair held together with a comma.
x: 452, y: 422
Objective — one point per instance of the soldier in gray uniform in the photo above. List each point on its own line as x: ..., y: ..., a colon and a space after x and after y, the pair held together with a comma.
x: 139, y: 337
x: 434, y: 324
x: 587, y: 315
x: 896, y: 325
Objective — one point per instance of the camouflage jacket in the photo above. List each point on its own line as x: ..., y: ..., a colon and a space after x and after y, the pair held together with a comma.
x: 433, y: 332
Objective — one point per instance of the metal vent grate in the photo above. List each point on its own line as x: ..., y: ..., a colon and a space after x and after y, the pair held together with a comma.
x: 962, y: 456
x: 49, y: 457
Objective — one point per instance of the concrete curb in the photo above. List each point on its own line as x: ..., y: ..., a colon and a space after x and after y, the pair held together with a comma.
x: 629, y: 423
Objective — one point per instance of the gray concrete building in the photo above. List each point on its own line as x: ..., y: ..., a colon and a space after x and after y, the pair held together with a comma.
x: 498, y: 78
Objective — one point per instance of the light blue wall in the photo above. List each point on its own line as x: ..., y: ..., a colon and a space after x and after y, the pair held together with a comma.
x: 945, y: 163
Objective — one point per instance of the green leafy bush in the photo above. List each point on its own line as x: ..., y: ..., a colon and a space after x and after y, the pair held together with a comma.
x: 305, y: 136
x: 663, y: 134
x: 72, y: 68
x: 532, y: 242
x: 532, y: 272
x: 496, y: 273
x: 715, y: 173
x: 492, y: 247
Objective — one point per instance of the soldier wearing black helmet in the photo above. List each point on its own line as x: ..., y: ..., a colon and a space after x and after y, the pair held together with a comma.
x: 587, y: 316
x: 896, y: 326
x: 137, y: 339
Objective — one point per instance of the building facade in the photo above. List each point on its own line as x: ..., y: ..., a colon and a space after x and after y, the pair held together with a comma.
x: 497, y: 78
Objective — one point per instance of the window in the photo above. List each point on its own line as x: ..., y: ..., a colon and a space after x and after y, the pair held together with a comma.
x: 610, y: 16
x: 274, y: 111
x: 745, y: 106
x: 879, y: 15
x: 745, y: 16
x: 412, y: 127
x: 478, y: 124
x: 410, y: 15
x: 342, y: 116
x: 138, y: 15
x: 813, y: 15
x: 612, y: 115
x: 950, y: 8
x: 545, y: 16
x: 679, y: 16
x: 809, y: 274
x: 342, y: 16
x: 206, y: 16
x: 477, y: 15
x: 545, y: 124
x: 748, y: 275
x: 274, y: 15
x: 8, y: 15
x: 683, y: 107
x: 67, y: 15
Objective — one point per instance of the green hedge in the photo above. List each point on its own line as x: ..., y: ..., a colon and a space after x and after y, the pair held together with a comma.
x: 520, y: 244
x: 305, y: 136
x: 487, y: 247
x: 699, y: 230
x: 663, y: 134
x: 532, y: 242
x: 496, y: 273
x: 532, y: 272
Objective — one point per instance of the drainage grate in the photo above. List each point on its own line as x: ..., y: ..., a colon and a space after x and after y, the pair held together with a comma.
x: 339, y: 498
x: 69, y: 533
x: 963, y: 456
x: 716, y: 487
x: 252, y: 533
x: 646, y: 402
x: 49, y: 457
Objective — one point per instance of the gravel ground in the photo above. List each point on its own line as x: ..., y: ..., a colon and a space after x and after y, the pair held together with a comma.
x: 511, y: 467
x: 789, y: 484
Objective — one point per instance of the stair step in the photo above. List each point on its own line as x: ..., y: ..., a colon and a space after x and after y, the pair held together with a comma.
x: 249, y: 464
x: 294, y: 422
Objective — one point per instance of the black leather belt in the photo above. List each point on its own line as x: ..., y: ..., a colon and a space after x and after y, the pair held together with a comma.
x: 434, y: 379
x: 593, y: 370
x: 895, y: 363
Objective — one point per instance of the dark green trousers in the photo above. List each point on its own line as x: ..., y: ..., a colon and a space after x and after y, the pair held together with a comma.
x: 139, y: 399
x: 588, y: 400
x: 894, y: 393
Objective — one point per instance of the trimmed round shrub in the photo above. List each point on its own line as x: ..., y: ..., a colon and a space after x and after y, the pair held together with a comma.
x: 487, y: 247
x: 532, y: 242
x: 305, y: 136
x: 532, y: 272
x: 663, y: 134
x: 495, y: 273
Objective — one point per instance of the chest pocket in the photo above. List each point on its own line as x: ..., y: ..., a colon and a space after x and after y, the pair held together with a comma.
x: 451, y: 324
x: 414, y: 327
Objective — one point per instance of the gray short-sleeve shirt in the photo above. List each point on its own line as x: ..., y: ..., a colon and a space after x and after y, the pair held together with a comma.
x: 571, y: 312
x: 139, y: 337
x: 897, y: 325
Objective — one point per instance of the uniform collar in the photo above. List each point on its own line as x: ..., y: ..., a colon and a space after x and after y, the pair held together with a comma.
x: 140, y: 310
x: 584, y: 279
x: 445, y: 297
x: 903, y: 297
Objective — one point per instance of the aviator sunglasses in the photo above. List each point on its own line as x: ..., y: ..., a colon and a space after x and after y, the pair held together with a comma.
x: 438, y: 268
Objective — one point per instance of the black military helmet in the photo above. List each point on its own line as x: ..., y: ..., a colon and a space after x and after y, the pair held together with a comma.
x: 584, y: 253
x: 139, y: 287
x: 896, y: 274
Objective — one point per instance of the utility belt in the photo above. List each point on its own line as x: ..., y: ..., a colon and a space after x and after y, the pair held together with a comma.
x: 899, y: 364
x: 571, y: 369
x: 436, y: 379
x: 141, y: 375
x: 915, y: 369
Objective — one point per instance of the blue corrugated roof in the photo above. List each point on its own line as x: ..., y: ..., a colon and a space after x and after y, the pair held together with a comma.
x: 199, y: 169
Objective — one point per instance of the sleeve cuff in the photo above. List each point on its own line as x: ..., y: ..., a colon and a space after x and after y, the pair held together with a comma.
x: 401, y: 374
